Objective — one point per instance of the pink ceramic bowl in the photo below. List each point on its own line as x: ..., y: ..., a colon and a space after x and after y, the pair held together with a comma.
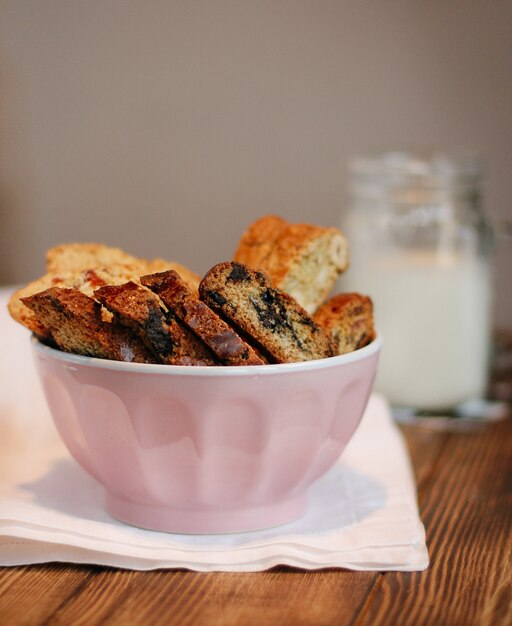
x: 206, y: 449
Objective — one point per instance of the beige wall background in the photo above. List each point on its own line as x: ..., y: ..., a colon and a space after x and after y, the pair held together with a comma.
x: 165, y: 127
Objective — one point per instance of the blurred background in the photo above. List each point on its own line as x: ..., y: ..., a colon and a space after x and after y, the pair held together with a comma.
x: 165, y: 127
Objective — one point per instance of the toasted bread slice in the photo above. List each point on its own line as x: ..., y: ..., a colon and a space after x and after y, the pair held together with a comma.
x: 300, y: 259
x: 271, y: 318
x: 348, y: 318
x: 75, y: 324
x: 222, y: 340
x: 142, y: 311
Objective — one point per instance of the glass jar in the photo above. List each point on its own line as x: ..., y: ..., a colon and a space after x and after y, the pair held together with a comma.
x: 420, y: 247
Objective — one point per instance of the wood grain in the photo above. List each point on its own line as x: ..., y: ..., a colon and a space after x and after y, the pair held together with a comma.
x: 280, y: 596
x: 30, y: 595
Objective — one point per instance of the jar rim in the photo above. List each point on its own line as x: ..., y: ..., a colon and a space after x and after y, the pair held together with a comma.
x: 430, y: 169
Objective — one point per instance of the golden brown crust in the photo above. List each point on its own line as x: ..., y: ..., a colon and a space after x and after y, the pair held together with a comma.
x: 292, y: 243
x: 143, y: 312
x: 300, y: 259
x: 348, y: 318
x: 75, y: 257
x: 222, y: 340
x: 258, y: 240
x: 270, y: 318
x: 75, y: 324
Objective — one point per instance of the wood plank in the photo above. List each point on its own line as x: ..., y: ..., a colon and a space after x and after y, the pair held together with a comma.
x: 279, y: 596
x: 97, y: 599
x: 30, y: 595
x: 467, y: 511
x: 425, y: 447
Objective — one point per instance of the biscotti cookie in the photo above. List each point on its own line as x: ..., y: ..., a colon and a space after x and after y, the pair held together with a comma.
x: 85, y: 281
x: 87, y: 266
x: 76, y: 257
x: 222, y: 340
x: 141, y: 310
x: 76, y: 325
x: 348, y: 318
x: 300, y: 259
x: 270, y: 318
x: 22, y: 313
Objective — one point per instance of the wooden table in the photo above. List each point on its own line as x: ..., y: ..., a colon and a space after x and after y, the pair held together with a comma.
x: 465, y: 494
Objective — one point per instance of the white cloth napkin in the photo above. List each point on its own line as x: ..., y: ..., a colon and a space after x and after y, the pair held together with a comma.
x: 362, y: 514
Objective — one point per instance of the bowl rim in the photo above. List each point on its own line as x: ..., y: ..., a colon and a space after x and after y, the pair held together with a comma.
x: 206, y: 370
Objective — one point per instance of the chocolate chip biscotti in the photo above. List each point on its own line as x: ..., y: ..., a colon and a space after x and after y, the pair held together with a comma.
x: 268, y: 317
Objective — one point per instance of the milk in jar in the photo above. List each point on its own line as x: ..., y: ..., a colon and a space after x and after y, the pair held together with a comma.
x: 419, y: 247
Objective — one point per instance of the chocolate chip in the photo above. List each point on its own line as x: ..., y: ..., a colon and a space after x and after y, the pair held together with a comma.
x: 157, y: 334
x: 216, y: 297
x: 238, y: 274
